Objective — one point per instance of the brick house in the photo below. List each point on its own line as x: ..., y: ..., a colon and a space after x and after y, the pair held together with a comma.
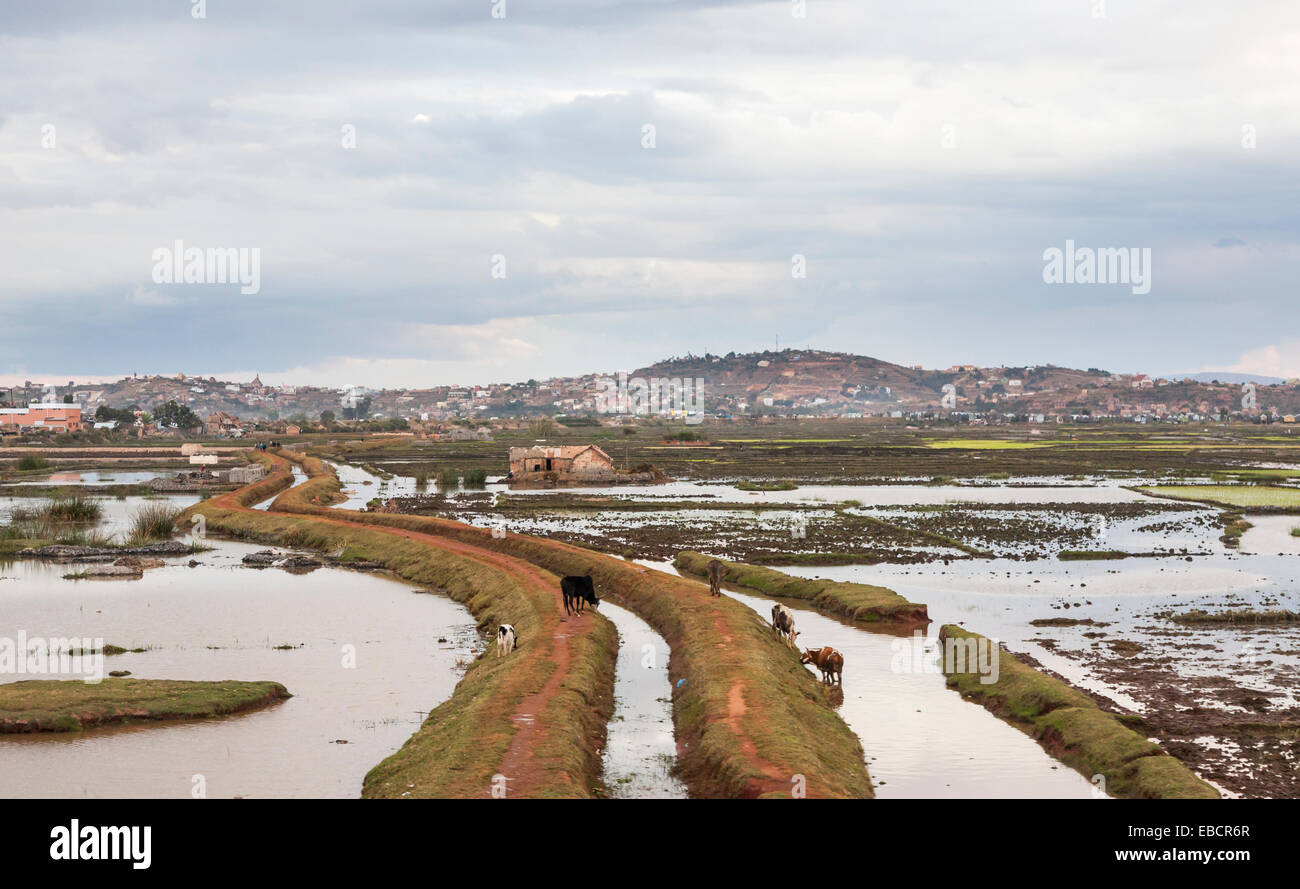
x: 576, y: 459
x: 43, y: 416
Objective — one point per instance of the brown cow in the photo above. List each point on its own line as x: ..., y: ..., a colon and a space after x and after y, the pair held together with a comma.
x: 716, y: 570
x: 828, y: 660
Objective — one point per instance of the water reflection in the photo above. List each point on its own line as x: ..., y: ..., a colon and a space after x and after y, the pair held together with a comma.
x: 221, y: 620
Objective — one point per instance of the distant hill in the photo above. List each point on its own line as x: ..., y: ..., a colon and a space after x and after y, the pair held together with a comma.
x: 1225, y: 377
x: 802, y: 382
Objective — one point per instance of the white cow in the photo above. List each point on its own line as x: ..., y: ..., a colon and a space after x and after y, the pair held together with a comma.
x: 783, y: 623
x: 505, y: 640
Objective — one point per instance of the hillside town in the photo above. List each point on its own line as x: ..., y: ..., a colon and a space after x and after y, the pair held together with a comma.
x: 689, y: 390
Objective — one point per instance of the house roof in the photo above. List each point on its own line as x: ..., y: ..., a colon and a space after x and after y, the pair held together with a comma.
x: 567, y: 452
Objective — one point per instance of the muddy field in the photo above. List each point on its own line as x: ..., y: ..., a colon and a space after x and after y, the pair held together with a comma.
x: 817, y: 531
x: 1236, y: 726
x: 1059, y: 543
x: 867, y: 451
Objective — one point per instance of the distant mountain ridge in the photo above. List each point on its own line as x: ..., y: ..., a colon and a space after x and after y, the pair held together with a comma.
x: 806, y: 382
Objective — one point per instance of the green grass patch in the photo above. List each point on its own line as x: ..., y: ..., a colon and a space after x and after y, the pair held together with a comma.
x: 1261, y: 498
x: 858, y: 601
x: 153, y: 522
x: 69, y: 705
x: 987, y: 444
x: 1233, y: 527
x: 73, y: 508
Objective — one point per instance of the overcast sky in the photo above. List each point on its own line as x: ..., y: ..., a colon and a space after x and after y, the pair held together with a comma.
x: 920, y: 155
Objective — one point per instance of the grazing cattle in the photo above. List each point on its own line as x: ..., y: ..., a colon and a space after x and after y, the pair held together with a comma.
x: 506, y: 640
x: 828, y: 660
x: 783, y: 623
x: 578, y: 592
x: 716, y: 570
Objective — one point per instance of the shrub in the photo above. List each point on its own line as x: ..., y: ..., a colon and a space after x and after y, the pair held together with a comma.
x: 153, y: 522
x: 75, y: 507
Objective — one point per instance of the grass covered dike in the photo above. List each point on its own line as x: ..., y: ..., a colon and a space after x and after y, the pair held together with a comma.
x: 860, y: 602
x: 70, y: 705
x: 1070, y: 726
x: 463, y: 742
x: 749, y: 719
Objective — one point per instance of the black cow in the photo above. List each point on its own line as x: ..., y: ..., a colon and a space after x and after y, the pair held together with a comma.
x: 578, y: 592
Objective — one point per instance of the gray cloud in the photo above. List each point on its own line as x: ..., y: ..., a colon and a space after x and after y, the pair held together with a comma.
x: 774, y: 136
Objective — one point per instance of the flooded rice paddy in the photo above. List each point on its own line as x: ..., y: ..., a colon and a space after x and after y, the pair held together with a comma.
x: 223, y: 620
x: 116, y: 514
x: 1102, y: 623
x: 921, y: 739
x: 1110, y: 634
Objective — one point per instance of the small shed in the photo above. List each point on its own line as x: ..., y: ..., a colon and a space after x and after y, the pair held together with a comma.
x: 246, y: 475
x: 576, y: 459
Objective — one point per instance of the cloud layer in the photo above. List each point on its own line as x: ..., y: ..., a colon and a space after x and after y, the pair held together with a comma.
x: 439, y: 195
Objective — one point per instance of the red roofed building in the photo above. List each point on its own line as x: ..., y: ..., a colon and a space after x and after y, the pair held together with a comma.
x: 50, y: 416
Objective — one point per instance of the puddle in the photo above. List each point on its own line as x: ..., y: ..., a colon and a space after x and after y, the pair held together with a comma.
x: 360, y: 486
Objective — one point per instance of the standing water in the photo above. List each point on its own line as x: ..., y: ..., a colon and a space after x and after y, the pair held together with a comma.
x: 921, y: 739
x: 640, y: 752
x: 369, y: 659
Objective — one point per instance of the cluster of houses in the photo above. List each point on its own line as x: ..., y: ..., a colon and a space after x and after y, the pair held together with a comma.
x: 792, y: 383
